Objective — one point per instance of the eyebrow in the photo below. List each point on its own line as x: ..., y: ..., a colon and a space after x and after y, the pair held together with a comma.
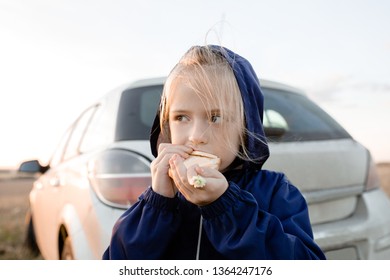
x: 179, y: 111
x: 212, y: 111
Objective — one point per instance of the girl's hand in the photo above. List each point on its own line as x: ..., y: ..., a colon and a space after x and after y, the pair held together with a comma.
x: 161, y: 182
x: 216, y: 183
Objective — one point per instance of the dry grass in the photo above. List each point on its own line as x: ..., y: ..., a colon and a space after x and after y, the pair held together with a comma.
x: 14, y: 205
x: 13, y: 208
x: 384, y: 176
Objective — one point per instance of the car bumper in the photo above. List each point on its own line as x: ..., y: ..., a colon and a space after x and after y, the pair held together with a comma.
x: 364, y: 235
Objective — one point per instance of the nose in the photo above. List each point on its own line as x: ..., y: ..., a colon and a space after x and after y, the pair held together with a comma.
x: 199, y: 133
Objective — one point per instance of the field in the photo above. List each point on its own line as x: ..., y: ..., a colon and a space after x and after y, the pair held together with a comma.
x: 13, y: 208
x: 384, y: 176
x: 14, y: 204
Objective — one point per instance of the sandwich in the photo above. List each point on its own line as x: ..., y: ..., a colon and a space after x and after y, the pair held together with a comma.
x: 203, y: 160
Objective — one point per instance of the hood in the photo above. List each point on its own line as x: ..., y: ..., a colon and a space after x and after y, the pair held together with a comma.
x: 253, y: 100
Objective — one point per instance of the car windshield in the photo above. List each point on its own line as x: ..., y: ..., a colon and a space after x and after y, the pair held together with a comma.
x: 293, y: 115
x: 137, y: 110
x: 299, y: 117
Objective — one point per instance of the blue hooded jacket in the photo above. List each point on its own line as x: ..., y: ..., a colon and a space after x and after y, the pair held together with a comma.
x: 260, y: 216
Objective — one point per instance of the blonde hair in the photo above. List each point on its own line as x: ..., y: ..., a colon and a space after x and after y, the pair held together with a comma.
x: 209, y: 74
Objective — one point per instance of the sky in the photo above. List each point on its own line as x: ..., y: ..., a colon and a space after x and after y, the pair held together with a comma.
x: 59, y: 56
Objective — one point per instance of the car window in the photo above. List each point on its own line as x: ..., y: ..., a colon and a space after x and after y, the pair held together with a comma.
x: 294, y: 114
x: 72, y: 149
x: 59, y: 151
x: 100, y: 130
x: 137, y: 110
x: 301, y: 118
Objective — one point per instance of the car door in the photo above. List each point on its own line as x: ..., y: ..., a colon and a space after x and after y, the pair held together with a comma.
x: 43, y: 198
x: 51, y: 191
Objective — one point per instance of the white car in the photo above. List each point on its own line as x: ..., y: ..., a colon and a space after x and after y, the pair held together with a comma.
x: 102, y: 165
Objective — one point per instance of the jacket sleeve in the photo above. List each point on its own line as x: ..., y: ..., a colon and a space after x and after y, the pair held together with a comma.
x: 269, y: 224
x: 153, y: 214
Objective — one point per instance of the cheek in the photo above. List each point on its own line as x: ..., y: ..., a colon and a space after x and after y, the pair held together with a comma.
x: 226, y: 147
x: 177, y: 135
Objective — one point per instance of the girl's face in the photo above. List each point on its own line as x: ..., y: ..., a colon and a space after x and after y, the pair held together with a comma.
x: 192, y: 124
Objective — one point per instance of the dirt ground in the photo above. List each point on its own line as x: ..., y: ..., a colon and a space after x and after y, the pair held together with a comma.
x: 384, y: 176
x: 14, y: 205
x: 13, y: 208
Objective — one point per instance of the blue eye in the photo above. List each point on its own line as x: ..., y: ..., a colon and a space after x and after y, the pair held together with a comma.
x: 215, y: 118
x: 181, y: 118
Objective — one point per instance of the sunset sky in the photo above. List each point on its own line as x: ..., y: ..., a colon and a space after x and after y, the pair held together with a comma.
x: 58, y: 56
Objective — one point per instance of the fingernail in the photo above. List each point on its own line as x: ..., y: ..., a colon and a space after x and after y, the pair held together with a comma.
x: 199, y: 169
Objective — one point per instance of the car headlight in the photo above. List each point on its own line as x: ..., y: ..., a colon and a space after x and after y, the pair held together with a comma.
x: 372, y: 179
x: 119, y: 176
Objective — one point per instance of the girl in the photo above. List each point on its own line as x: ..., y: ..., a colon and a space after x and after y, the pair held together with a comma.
x: 212, y: 102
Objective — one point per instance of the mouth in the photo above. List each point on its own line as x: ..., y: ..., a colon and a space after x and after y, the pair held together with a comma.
x: 203, y: 154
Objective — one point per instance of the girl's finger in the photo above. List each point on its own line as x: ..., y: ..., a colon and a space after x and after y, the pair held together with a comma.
x: 179, y: 172
x: 208, y: 172
x: 193, y: 171
x: 183, y: 151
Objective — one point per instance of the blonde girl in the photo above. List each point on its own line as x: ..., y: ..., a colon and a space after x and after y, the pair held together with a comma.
x: 212, y: 102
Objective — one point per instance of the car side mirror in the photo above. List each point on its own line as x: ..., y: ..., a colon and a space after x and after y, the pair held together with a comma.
x: 274, y: 132
x: 275, y: 125
x: 32, y: 166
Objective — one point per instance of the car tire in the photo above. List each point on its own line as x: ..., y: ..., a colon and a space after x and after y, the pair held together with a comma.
x: 30, y: 240
x: 67, y: 252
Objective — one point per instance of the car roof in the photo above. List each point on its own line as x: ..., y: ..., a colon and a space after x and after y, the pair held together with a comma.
x: 280, y: 86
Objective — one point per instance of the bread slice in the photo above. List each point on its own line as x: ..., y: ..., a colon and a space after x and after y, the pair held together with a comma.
x: 203, y: 160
